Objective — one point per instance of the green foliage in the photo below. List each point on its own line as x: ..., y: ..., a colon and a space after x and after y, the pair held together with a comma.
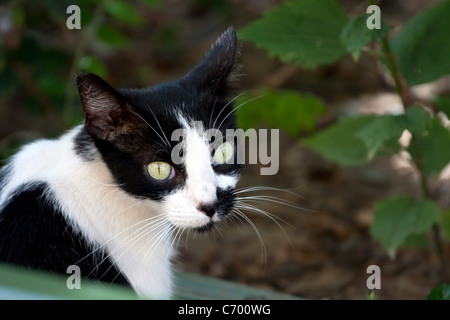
x: 433, y: 148
x: 397, y: 218
x: 441, y: 292
x: 432, y: 139
x: 312, y: 33
x: 305, y: 32
x: 339, y: 143
x: 124, y: 12
x: 357, y: 140
x: 39, y: 56
x: 443, y: 104
x: 355, y: 35
x: 421, y: 45
x: 271, y: 107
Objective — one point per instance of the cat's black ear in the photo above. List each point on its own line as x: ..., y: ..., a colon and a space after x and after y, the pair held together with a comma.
x: 218, y: 68
x: 108, y: 116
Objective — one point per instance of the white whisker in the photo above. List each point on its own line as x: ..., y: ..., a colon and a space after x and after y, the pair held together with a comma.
x: 239, y: 106
x: 159, y: 125
x: 258, y: 234
x: 226, y: 105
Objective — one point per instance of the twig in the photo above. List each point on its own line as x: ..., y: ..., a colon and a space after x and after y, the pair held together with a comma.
x: 408, y: 101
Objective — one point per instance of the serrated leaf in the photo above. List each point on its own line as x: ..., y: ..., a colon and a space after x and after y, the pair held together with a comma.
x: 339, y: 143
x: 355, y: 35
x: 284, y: 109
x: 399, y: 217
x: 421, y: 46
x: 379, y: 131
x: 441, y: 292
x: 304, y: 32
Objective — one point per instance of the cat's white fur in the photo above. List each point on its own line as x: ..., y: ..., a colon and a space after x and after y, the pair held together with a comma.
x: 201, y: 184
x: 135, y: 233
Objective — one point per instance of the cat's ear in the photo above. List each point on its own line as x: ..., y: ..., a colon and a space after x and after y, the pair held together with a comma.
x: 108, y: 116
x: 219, y: 67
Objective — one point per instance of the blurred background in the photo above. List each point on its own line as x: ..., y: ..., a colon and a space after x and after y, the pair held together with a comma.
x: 320, y: 251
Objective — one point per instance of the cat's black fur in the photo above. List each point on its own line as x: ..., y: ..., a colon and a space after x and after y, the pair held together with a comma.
x: 34, y: 232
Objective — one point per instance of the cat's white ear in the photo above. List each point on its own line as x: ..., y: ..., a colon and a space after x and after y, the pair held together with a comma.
x: 219, y: 66
x: 107, y: 114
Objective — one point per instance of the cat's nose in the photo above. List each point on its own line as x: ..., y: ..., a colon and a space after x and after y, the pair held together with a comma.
x: 209, y: 209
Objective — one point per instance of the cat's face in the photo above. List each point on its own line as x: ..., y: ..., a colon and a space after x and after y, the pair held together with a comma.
x: 157, y: 141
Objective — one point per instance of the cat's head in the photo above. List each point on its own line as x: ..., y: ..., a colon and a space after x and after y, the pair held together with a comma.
x: 156, y: 141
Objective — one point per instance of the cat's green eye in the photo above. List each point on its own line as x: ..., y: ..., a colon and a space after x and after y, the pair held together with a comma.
x: 223, y: 153
x: 161, y: 171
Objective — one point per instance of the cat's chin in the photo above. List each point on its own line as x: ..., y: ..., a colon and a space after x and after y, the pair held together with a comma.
x: 205, y: 228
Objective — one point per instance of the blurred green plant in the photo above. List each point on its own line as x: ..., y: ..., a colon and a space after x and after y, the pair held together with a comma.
x: 40, y: 56
x: 312, y: 33
x: 441, y: 292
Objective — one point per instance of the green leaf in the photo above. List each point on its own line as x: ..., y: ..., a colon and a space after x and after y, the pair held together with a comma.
x: 339, y: 143
x: 112, y: 36
x: 305, y: 32
x: 355, y: 35
x: 445, y: 223
x: 285, y: 109
x: 417, y: 120
x: 421, y: 46
x: 380, y: 130
x: 431, y: 140
x: 433, y: 147
x: 399, y: 217
x: 124, y: 12
x: 443, y: 103
x: 416, y: 240
x: 441, y: 292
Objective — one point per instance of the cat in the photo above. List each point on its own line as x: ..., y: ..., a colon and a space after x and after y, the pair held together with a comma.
x: 107, y: 196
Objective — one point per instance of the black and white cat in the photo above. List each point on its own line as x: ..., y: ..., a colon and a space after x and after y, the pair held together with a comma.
x: 107, y: 195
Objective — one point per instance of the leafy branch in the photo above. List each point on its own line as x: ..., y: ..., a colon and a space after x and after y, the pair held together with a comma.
x: 313, y: 33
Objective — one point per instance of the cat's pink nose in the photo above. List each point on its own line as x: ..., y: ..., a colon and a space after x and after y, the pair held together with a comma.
x: 209, y: 209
